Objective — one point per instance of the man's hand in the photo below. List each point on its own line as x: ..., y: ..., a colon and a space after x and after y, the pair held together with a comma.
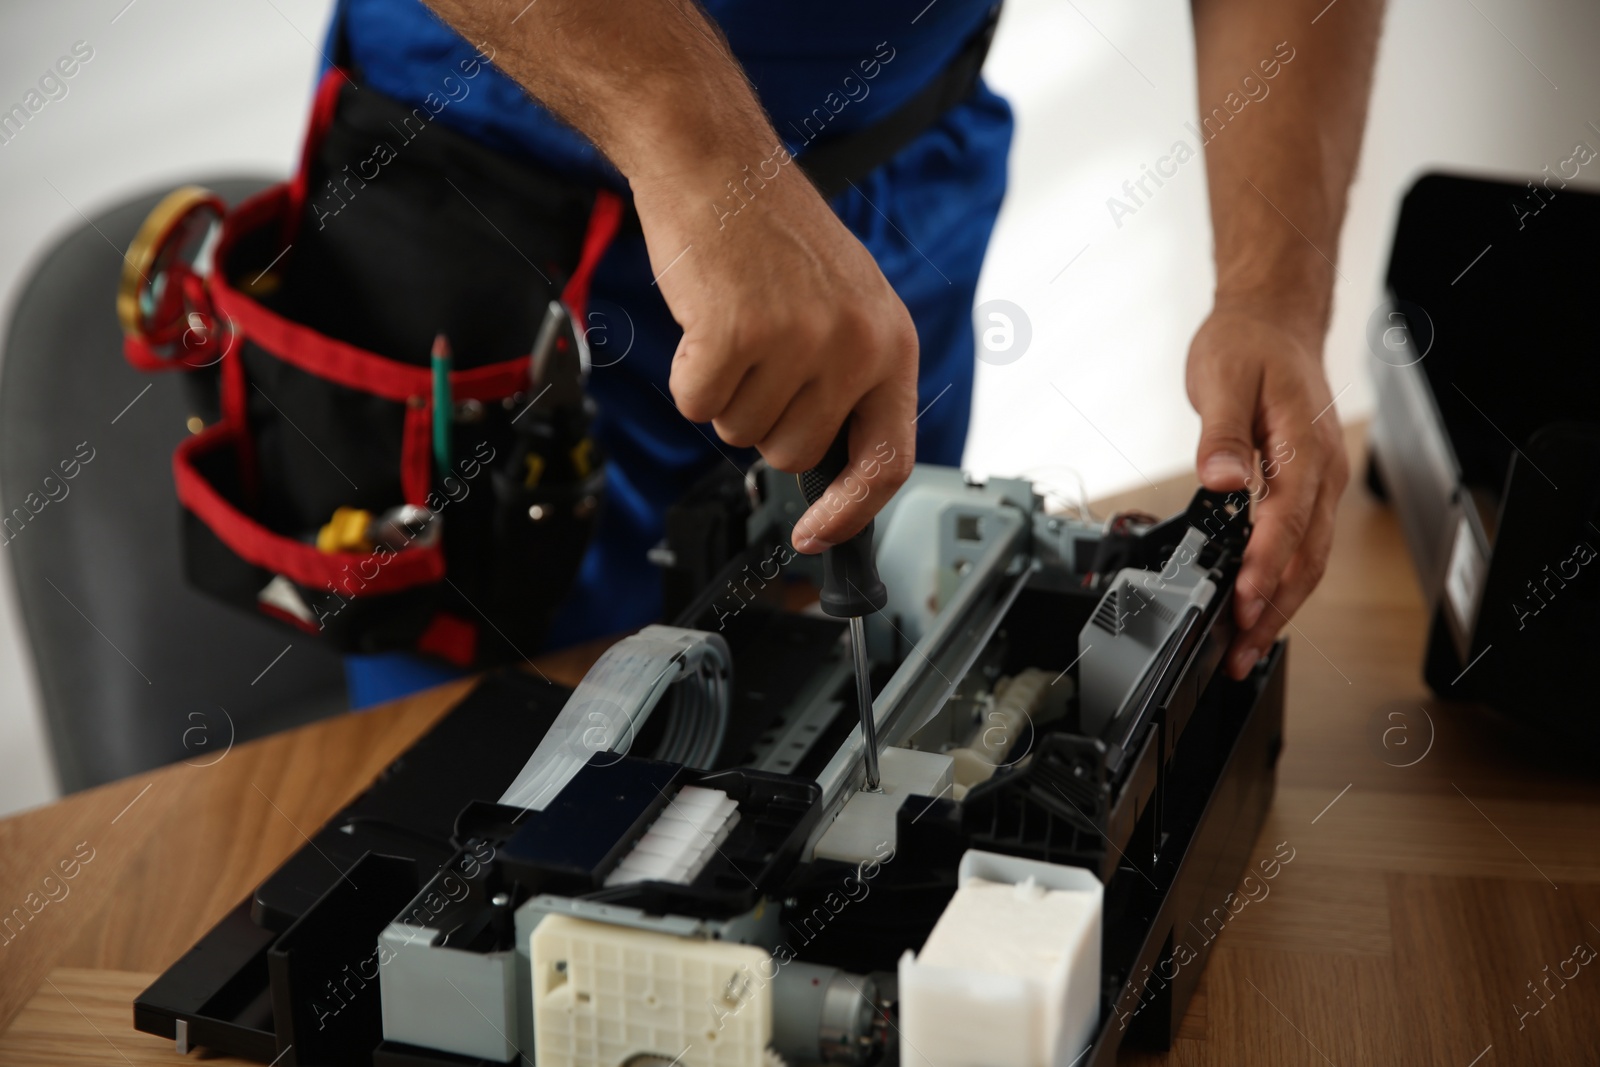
x: 788, y: 325
x: 1283, y: 95
x: 1259, y: 388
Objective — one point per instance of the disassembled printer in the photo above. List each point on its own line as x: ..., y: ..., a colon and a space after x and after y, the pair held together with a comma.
x: 676, y: 863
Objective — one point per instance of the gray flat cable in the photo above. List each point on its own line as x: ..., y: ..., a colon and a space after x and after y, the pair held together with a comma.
x: 691, y: 668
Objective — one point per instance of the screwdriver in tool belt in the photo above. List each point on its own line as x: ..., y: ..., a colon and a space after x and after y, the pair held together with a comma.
x: 851, y: 588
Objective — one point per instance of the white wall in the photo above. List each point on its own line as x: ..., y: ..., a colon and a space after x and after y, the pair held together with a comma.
x: 1112, y: 331
x: 178, y: 88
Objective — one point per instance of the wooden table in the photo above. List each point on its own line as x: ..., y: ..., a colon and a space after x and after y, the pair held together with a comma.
x: 1423, y: 905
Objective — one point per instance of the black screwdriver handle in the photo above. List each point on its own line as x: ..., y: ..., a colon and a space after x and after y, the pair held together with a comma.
x: 851, y: 587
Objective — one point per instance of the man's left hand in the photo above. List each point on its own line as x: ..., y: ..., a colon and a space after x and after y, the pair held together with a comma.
x: 1259, y: 388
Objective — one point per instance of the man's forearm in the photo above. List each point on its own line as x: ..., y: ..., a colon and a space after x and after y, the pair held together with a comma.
x: 1279, y: 169
x: 789, y: 327
x: 650, y: 82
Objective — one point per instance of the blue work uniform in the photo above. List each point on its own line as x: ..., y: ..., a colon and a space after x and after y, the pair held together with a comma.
x: 823, y: 67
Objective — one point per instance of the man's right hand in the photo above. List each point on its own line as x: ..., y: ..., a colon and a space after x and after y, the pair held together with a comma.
x: 789, y: 327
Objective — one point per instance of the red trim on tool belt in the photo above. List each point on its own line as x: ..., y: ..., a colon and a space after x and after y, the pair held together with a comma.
x: 323, y: 107
x: 416, y: 452
x: 273, y: 611
x: 604, y: 218
x: 295, y: 560
x: 450, y: 638
x: 326, y: 357
x: 234, y: 403
x: 140, y: 356
x: 356, y: 368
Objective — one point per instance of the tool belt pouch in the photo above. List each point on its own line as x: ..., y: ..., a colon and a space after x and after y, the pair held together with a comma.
x: 311, y: 486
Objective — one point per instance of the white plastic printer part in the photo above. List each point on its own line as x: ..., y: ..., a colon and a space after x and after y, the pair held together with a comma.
x: 867, y: 822
x: 1019, y: 703
x: 680, y: 842
x: 1010, y: 976
x: 605, y: 995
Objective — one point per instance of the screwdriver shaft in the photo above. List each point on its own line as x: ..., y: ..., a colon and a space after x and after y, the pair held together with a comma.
x: 869, y: 728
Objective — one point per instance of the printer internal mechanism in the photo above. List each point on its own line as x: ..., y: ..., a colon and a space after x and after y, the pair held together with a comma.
x: 675, y: 864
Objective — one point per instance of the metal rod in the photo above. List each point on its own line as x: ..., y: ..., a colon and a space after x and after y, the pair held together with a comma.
x: 869, y: 728
x: 947, y: 650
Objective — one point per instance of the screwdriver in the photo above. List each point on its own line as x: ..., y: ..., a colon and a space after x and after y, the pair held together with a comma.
x: 851, y: 589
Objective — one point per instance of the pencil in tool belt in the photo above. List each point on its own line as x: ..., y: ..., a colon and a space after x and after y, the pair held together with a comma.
x: 444, y: 406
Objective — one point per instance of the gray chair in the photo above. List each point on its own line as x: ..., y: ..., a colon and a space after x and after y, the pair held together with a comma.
x: 135, y: 668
